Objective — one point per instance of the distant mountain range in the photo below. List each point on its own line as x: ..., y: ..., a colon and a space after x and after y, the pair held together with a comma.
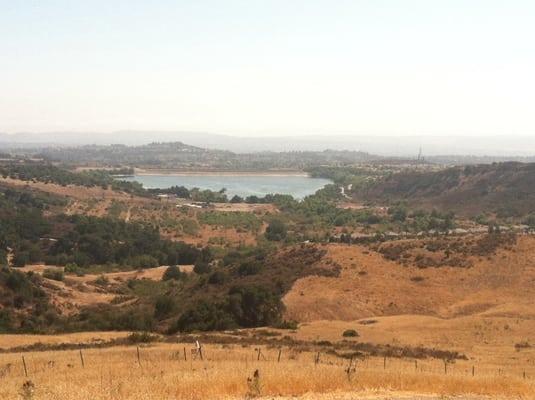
x: 499, y: 147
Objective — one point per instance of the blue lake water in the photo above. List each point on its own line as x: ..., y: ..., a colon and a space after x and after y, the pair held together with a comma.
x: 241, y: 185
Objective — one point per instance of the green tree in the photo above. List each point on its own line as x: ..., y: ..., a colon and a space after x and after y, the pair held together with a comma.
x: 276, y: 230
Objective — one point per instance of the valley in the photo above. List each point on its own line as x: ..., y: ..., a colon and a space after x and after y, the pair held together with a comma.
x: 375, y: 268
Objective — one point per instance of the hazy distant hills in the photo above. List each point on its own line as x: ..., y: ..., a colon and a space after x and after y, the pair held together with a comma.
x: 509, y: 147
x: 172, y: 155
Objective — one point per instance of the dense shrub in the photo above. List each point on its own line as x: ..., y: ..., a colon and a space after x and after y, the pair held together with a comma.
x: 143, y: 261
x: 108, y: 318
x: 236, y: 199
x: 276, y: 230
x: 173, y: 272
x: 217, y: 278
x: 20, y: 259
x: 163, y: 307
x: 249, y: 268
x: 246, y: 306
x: 202, y: 267
x: 204, y: 316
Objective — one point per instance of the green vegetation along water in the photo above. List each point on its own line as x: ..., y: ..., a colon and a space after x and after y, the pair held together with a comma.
x: 298, y: 186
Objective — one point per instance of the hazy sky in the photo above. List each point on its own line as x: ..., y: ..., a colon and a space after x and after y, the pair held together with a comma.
x: 269, y: 67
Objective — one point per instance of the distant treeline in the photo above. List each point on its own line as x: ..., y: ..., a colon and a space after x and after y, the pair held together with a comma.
x: 211, y: 196
x: 183, y: 156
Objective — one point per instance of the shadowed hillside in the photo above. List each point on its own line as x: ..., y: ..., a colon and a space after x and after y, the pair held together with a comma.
x: 507, y: 189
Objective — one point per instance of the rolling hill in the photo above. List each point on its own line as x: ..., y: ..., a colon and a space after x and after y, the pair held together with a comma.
x: 507, y: 189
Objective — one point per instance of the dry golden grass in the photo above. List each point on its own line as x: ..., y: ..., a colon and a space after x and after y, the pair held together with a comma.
x: 115, y: 373
x: 369, y: 285
x: 10, y: 341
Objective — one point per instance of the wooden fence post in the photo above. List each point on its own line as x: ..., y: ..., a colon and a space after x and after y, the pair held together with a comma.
x: 25, y: 369
x: 416, y: 365
x: 349, y: 369
x: 279, y: 357
x: 138, y: 357
x: 473, y: 370
x: 82, y: 358
x: 185, y: 357
x: 445, y: 367
x: 384, y: 362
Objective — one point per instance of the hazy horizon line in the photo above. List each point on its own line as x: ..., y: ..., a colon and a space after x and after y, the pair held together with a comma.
x: 266, y: 135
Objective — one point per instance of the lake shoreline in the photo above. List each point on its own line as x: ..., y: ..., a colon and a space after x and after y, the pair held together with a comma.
x: 242, y: 184
x: 167, y: 172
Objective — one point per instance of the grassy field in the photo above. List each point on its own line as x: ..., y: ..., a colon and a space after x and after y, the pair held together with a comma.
x: 227, y: 371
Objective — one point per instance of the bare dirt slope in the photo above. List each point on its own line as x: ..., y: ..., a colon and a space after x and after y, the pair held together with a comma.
x: 369, y: 285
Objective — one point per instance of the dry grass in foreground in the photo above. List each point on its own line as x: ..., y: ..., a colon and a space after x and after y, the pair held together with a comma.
x: 161, y: 373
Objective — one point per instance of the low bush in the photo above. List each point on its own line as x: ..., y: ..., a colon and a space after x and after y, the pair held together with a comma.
x: 287, y: 324
x: 142, y: 337
x: 350, y: 333
x: 55, y: 274
x: 102, y: 280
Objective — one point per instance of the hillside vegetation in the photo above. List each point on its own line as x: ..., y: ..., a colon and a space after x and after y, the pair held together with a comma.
x: 507, y: 189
